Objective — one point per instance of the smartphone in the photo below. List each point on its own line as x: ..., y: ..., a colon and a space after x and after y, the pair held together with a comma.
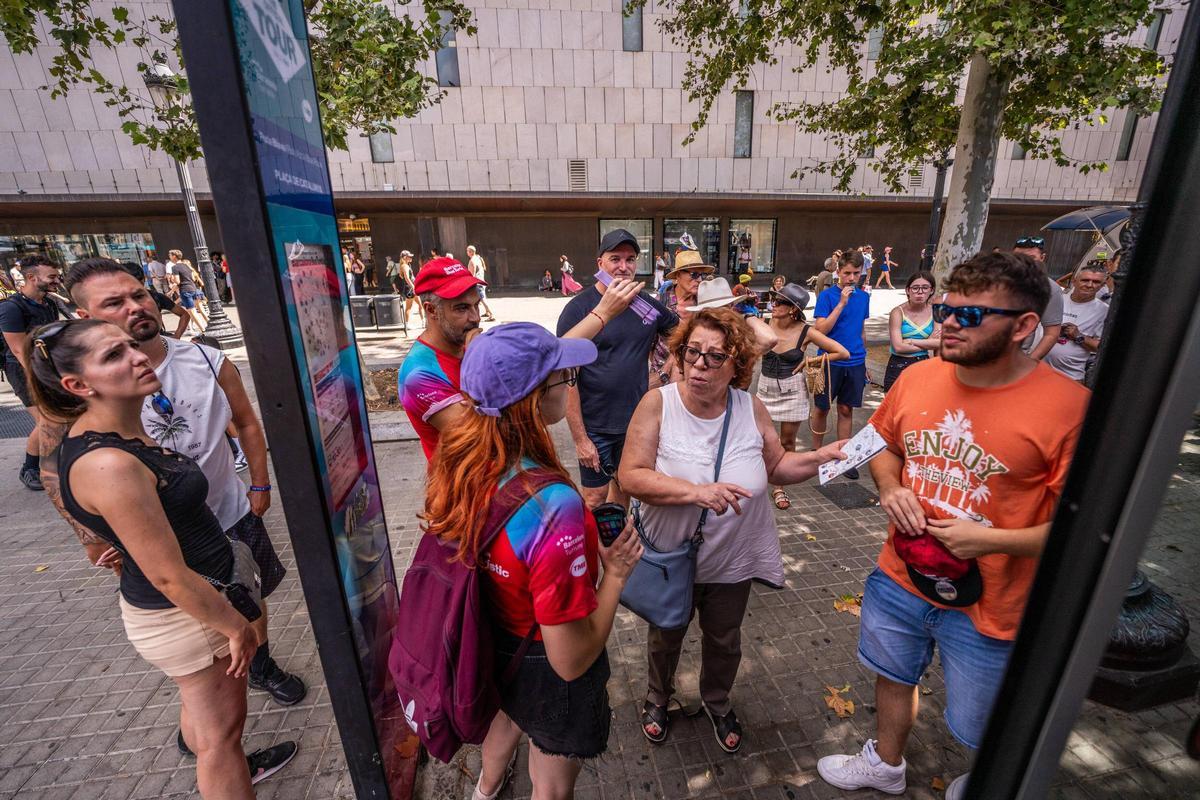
x: 610, y: 519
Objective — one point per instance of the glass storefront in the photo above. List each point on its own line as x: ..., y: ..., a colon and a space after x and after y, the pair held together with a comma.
x: 751, y: 245
x: 643, y: 230
x: 705, y: 232
x: 66, y: 249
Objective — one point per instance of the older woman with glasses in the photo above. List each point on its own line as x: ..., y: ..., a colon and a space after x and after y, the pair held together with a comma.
x: 914, y: 333
x: 781, y: 385
x: 669, y: 465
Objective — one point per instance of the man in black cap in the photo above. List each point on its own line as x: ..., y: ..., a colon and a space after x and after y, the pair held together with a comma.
x: 600, y: 406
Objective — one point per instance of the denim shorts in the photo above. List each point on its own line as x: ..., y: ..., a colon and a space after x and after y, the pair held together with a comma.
x: 561, y: 718
x: 188, y: 299
x: 610, y: 447
x: 896, y: 639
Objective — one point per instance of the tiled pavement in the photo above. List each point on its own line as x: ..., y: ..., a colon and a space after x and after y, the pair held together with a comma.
x: 81, y: 716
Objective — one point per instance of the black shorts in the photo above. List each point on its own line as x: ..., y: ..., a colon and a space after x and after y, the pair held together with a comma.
x: 16, y: 376
x: 609, y: 446
x: 561, y: 718
x: 896, y: 365
x: 846, y: 386
x: 251, y: 530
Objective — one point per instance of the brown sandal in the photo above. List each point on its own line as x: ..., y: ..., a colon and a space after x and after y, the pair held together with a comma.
x: 781, y: 499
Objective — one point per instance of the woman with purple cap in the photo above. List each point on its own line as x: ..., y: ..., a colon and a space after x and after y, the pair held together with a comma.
x: 542, y: 568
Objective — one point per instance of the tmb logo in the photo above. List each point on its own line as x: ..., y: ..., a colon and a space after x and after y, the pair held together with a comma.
x: 271, y: 22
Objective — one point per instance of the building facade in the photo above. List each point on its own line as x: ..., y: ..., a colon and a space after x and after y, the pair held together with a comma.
x: 561, y: 119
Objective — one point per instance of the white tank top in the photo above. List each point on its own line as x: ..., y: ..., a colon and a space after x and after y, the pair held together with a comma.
x: 736, y: 547
x: 197, y: 427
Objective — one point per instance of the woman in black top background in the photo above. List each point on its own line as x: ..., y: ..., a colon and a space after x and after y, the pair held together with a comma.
x: 142, y: 499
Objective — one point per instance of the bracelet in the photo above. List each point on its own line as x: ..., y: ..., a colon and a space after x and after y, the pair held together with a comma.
x: 597, y: 316
x: 264, y: 488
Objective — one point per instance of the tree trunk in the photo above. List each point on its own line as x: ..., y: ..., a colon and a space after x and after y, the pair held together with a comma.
x: 974, y: 166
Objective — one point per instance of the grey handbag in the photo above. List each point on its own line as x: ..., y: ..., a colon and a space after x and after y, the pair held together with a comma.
x: 659, y: 590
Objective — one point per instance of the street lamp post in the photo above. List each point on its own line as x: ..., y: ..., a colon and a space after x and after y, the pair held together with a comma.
x: 164, y: 89
x: 935, y: 214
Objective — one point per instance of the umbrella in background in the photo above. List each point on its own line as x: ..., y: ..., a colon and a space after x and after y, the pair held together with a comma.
x: 1104, y: 223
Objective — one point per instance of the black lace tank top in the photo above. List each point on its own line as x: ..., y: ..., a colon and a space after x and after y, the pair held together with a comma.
x: 182, y: 489
x: 783, y: 365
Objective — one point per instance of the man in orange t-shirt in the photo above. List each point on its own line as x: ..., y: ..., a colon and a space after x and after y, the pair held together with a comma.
x: 979, y: 442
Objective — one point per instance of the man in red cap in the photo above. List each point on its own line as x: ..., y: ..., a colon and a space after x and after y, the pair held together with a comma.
x: 428, y: 380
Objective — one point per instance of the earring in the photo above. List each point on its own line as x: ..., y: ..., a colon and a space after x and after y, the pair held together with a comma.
x: 91, y: 392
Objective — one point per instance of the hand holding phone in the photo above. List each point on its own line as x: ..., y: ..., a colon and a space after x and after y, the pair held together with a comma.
x: 610, y: 520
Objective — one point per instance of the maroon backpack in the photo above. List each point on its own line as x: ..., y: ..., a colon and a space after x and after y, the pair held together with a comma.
x: 442, y: 651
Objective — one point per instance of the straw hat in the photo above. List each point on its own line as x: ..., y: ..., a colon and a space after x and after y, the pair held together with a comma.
x: 690, y: 261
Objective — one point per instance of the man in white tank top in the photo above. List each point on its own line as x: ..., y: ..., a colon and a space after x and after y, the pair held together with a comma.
x: 201, y: 395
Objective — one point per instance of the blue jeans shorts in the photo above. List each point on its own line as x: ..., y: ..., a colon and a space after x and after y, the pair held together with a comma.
x: 188, y: 299
x: 846, y: 386
x: 609, y: 446
x: 896, y: 639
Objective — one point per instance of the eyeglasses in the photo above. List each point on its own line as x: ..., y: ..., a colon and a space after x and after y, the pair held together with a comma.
x: 45, y: 340
x: 571, y: 379
x: 712, y: 359
x: 700, y: 276
x: 162, y: 404
x: 921, y: 289
x: 971, y: 316
x: 1031, y: 241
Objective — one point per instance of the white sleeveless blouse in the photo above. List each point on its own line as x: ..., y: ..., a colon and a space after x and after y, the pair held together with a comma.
x: 736, y: 547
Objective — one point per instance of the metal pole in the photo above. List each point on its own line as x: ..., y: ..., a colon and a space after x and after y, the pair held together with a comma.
x: 935, y: 213
x: 220, y: 326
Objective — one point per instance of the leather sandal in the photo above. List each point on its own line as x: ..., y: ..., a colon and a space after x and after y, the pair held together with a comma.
x: 655, y: 715
x: 781, y: 499
x: 724, y: 727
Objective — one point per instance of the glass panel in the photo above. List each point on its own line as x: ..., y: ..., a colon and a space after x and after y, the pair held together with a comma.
x: 1018, y: 152
x: 706, y: 233
x: 874, y: 43
x: 751, y: 245
x: 643, y: 230
x: 631, y: 30
x: 1126, y: 144
x: 446, y: 60
x: 743, y: 125
x: 381, y: 147
x: 1124, y: 743
x: 65, y: 249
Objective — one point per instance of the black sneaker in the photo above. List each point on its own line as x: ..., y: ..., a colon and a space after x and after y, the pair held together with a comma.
x: 32, y: 480
x: 182, y: 745
x: 852, y: 473
x: 285, y: 688
x: 265, y: 763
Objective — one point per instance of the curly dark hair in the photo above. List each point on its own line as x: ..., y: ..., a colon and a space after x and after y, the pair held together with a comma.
x: 739, y: 339
x: 1018, y: 275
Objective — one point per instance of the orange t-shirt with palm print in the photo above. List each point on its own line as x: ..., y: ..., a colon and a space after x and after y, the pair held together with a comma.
x: 998, y: 456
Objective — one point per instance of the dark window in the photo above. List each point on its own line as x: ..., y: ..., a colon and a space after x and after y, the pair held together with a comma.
x: 447, y: 58
x: 743, y: 125
x: 1126, y: 145
x: 1018, y: 152
x: 1154, y: 32
x: 631, y: 30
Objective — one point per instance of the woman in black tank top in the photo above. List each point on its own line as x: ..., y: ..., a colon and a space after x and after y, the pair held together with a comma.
x: 143, y: 500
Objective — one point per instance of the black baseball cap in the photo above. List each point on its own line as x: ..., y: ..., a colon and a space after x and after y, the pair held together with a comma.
x: 954, y: 592
x: 617, y: 237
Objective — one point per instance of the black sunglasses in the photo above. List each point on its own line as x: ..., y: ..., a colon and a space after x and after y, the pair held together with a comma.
x: 571, y: 379
x: 971, y: 316
x: 45, y: 340
x: 162, y: 404
x: 712, y: 360
x: 1031, y: 241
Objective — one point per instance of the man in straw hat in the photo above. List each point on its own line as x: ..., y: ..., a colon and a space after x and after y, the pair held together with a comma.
x: 677, y: 292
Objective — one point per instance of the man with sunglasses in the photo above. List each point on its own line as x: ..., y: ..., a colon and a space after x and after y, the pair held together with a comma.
x: 21, y: 312
x: 1051, y: 318
x: 201, y: 393
x: 979, y: 442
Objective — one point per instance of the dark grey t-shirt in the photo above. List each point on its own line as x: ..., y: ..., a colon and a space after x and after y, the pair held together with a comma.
x: 611, y: 387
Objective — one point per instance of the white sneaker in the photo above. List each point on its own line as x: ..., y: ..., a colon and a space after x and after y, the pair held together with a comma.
x: 862, y: 771
x: 957, y: 787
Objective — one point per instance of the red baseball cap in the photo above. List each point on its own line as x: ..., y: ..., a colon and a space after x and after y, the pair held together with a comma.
x: 446, y: 278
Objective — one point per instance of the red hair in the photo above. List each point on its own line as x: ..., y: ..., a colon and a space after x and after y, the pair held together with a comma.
x: 472, y: 456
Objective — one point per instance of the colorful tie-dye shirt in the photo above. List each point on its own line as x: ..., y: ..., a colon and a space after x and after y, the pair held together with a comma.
x: 543, y: 566
x: 428, y: 383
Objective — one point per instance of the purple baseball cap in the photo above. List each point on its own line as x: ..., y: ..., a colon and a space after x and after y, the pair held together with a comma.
x: 506, y: 363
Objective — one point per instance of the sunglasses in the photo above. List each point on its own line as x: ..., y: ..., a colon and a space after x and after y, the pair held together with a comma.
x: 571, y: 379
x: 1031, y: 241
x: 712, y: 359
x: 700, y: 276
x: 162, y: 404
x: 971, y: 316
x: 45, y: 340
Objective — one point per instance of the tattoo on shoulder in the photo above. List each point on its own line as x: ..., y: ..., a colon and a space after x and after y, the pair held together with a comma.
x: 51, y: 435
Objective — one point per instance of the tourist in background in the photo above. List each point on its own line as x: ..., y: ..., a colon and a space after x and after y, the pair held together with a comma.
x: 885, y: 268
x: 913, y: 334
x: 569, y: 285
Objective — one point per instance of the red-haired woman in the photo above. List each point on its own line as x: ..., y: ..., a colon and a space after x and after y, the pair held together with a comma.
x: 541, y: 570
x: 669, y: 465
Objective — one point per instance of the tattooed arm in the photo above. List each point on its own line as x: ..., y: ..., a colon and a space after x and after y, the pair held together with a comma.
x: 51, y: 435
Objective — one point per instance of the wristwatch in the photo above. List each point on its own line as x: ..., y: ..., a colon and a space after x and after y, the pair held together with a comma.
x: 1079, y: 339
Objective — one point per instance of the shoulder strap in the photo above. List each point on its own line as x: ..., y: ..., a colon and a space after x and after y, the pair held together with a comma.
x: 510, y: 497
x: 803, y: 334
x: 207, y: 360
x: 698, y: 537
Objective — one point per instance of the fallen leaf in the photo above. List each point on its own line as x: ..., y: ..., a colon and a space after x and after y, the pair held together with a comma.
x: 842, y: 706
x: 938, y: 784
x: 41, y: 568
x: 925, y: 690
x: 849, y: 603
x: 808, y: 537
